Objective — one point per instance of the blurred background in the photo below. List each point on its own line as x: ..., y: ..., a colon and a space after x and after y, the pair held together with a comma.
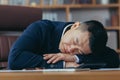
x: 105, y: 11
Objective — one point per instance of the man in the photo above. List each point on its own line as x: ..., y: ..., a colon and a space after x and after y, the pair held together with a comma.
x: 54, y: 44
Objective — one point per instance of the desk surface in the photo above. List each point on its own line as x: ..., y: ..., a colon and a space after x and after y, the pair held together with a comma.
x: 61, y: 75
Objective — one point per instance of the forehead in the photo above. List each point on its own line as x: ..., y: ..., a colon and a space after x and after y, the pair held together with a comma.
x: 79, y: 34
x: 82, y: 27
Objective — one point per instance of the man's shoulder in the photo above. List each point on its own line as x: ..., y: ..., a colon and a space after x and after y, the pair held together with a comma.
x: 50, y: 23
x: 111, y: 52
x: 108, y: 49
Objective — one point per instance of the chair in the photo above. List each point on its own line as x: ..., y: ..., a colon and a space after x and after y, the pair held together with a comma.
x: 13, y: 20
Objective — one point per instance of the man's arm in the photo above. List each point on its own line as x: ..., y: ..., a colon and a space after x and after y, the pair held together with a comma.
x: 23, y: 53
x: 68, y: 59
x: 53, y: 58
x: 26, y: 51
x: 24, y: 59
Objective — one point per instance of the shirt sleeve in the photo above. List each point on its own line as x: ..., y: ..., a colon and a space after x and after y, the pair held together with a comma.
x: 77, y: 59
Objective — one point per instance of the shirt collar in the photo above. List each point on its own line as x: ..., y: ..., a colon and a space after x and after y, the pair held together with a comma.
x: 64, y: 30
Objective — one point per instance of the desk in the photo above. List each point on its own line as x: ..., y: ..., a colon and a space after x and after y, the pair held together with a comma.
x: 77, y: 75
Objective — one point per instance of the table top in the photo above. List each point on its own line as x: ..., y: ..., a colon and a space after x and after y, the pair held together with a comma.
x: 104, y: 74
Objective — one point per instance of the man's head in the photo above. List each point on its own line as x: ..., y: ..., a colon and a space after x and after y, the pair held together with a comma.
x: 84, y: 38
x: 98, y: 38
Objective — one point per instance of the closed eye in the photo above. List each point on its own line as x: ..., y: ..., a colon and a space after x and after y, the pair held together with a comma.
x: 76, y: 42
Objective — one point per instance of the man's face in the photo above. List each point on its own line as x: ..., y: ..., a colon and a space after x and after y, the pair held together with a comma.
x: 75, y: 41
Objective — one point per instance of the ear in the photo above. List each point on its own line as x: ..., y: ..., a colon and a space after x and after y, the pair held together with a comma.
x: 75, y: 25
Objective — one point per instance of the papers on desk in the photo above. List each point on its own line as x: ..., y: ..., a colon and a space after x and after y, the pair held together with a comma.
x: 106, y: 69
x: 45, y: 70
x: 62, y: 70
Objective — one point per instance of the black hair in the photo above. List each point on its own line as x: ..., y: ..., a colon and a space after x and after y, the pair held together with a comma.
x: 98, y: 36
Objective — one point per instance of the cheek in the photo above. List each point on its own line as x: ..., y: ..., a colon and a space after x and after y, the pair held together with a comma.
x: 66, y: 39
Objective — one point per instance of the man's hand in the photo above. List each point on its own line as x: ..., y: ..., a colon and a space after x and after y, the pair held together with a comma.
x: 53, y: 58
